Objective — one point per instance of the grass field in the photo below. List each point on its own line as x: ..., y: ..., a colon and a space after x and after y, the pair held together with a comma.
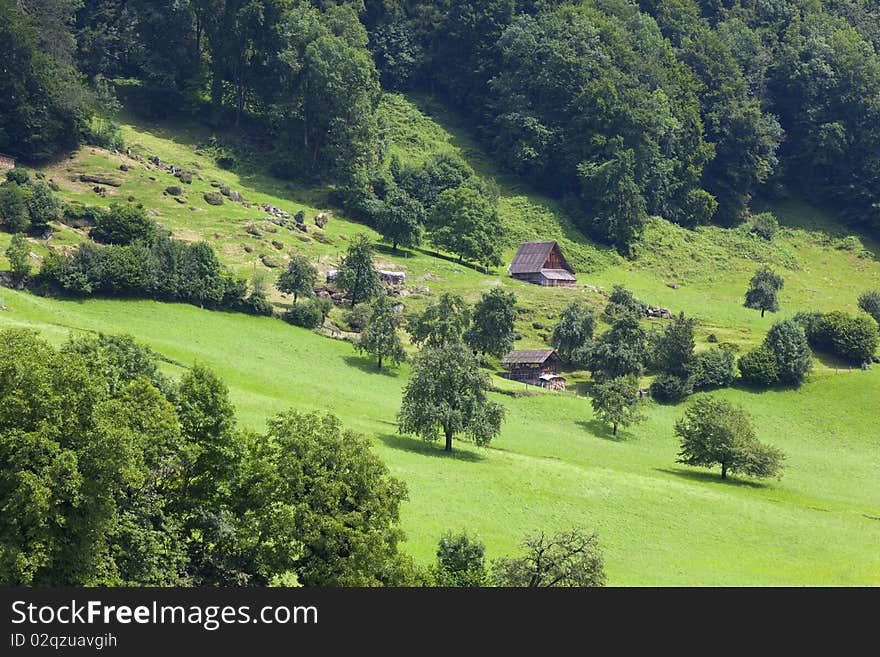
x: 554, y: 466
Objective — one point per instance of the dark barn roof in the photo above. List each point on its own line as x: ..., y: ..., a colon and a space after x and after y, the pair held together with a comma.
x: 531, y: 257
x: 530, y: 356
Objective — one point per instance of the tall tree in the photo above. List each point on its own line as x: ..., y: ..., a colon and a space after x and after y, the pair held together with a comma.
x: 357, y: 273
x: 442, y: 323
x: 574, y: 330
x: 401, y: 220
x: 447, y: 396
x: 18, y: 255
x: 460, y: 561
x: 13, y: 208
x: 713, y: 431
x: 464, y: 223
x: 380, y: 337
x: 674, y: 348
x: 787, y: 341
x: 617, y: 402
x: 763, y: 290
x: 491, y: 330
x: 619, y: 351
x: 299, y: 279
x: 870, y: 302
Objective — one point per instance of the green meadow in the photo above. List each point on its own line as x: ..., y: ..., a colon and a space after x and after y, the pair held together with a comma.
x: 554, y: 466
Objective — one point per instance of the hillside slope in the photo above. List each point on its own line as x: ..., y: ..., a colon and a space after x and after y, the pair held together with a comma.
x: 554, y: 466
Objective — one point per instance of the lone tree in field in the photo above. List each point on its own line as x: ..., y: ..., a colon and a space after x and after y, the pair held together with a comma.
x: 491, y: 330
x: 870, y: 302
x: 617, y: 402
x: 763, y: 288
x: 442, y: 323
x: 714, y: 432
x: 574, y: 330
x: 401, y: 220
x: 357, y: 274
x: 299, y: 279
x: 571, y: 558
x: 380, y: 337
x: 447, y: 396
x: 18, y: 255
x: 787, y: 341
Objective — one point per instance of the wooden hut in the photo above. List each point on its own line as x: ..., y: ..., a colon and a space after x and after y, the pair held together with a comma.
x: 536, y: 367
x: 6, y: 162
x: 542, y: 263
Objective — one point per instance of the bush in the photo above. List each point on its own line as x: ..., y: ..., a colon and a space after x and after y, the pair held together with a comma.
x: 358, y: 318
x: 759, y: 367
x: 13, y: 208
x: 853, y: 338
x: 870, y: 303
x: 123, y: 224
x: 185, y: 177
x: 226, y: 162
x: 850, y: 243
x: 304, y: 314
x: 224, y: 189
x: 213, y: 198
x: 715, y: 368
x: 668, y: 388
x: 18, y: 175
x: 81, y: 216
x: 174, y: 190
x: 787, y: 341
x: 764, y: 225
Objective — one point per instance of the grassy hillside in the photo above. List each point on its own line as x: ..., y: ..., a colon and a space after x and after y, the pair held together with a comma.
x: 554, y: 466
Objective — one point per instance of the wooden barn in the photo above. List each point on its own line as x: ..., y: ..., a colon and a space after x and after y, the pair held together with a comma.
x: 536, y: 367
x: 6, y: 162
x: 542, y: 263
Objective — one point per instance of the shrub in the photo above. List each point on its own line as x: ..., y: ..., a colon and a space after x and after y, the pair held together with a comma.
x: 759, y: 367
x: 813, y: 326
x: 358, y: 318
x: 124, y: 224
x: 13, y: 208
x: 174, y: 190
x: 81, y: 216
x: 213, y: 198
x: 226, y: 162
x: 787, y: 341
x: 850, y: 243
x: 18, y: 175
x: 764, y: 225
x: 853, y: 338
x: 185, y: 177
x: 715, y: 368
x: 870, y: 303
x: 305, y: 314
x: 668, y: 388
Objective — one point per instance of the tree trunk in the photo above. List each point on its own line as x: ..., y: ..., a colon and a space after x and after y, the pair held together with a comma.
x: 295, y: 297
x: 448, y: 440
x: 394, y: 247
x: 460, y: 256
x: 724, y: 471
x: 614, y: 432
x: 763, y: 310
x: 380, y: 362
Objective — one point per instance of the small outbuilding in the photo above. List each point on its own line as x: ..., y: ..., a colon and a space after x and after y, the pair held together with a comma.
x: 537, y: 367
x: 542, y: 263
x: 6, y: 162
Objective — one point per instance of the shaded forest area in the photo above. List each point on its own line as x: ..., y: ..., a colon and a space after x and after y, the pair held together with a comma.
x: 681, y: 108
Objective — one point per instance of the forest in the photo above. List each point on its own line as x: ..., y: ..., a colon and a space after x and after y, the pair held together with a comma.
x: 686, y: 109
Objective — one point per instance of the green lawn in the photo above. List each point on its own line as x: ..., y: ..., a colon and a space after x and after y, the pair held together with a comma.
x: 554, y: 466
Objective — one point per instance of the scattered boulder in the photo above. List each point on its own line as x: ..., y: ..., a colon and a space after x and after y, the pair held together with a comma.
x: 322, y: 219
x: 173, y: 190
x: 100, y: 179
x: 213, y: 198
x: 278, y: 245
x: 248, y: 248
x: 123, y: 167
x: 253, y: 230
x: 270, y: 262
x: 654, y: 312
x: 712, y: 338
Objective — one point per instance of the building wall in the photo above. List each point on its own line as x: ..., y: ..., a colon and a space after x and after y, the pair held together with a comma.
x: 7, y: 162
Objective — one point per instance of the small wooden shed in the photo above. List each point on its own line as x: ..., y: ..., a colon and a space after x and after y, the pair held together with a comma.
x: 542, y: 263
x: 529, y: 366
x: 6, y: 162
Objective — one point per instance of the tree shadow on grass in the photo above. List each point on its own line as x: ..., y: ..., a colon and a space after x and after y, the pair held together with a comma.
x: 704, y: 477
x: 423, y: 447
x: 603, y: 431
x: 369, y: 365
